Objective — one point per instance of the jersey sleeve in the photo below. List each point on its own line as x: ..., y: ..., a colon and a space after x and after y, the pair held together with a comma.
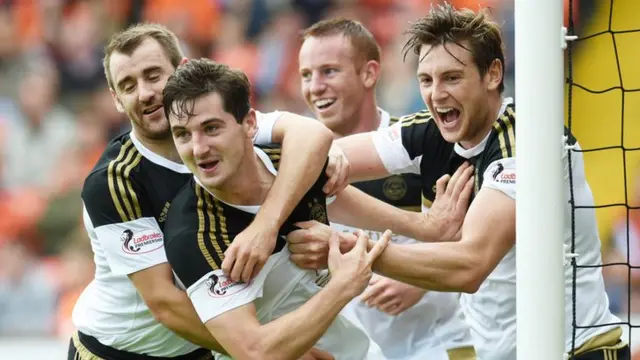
x: 265, y: 123
x: 117, y: 213
x: 401, y: 146
x: 501, y: 175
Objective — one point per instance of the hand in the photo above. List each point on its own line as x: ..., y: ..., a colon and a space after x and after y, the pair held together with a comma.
x: 451, y: 203
x: 309, y: 246
x: 353, y: 268
x: 391, y: 296
x: 337, y: 171
x: 249, y: 251
x: 317, y: 354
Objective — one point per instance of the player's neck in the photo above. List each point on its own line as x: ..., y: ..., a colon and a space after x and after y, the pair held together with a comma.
x: 249, y: 185
x: 491, y: 115
x: 367, y: 119
x: 163, y: 147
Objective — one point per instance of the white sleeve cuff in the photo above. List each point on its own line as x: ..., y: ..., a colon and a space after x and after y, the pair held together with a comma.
x: 265, y: 123
x: 394, y: 156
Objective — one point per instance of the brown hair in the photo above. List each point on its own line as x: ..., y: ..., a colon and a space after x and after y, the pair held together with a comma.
x: 197, y: 78
x: 128, y: 40
x: 365, y: 46
x: 444, y: 24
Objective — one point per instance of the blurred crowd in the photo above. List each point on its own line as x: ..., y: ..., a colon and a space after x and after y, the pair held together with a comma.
x: 56, y: 113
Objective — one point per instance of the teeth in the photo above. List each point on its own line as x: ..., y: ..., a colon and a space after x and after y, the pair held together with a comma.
x: 323, y: 102
x: 444, y: 110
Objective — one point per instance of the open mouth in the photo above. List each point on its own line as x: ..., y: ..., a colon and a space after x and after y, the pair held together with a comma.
x: 448, y: 115
x: 208, y: 165
x: 151, y: 110
x: 324, y: 104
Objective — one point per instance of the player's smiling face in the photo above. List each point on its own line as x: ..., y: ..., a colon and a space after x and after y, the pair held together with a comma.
x: 454, y: 91
x: 139, y: 79
x: 211, y: 143
x: 331, y: 83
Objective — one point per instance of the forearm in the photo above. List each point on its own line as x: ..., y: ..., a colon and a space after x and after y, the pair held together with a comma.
x: 304, y: 154
x: 355, y: 208
x: 451, y: 266
x: 290, y: 336
x: 176, y: 312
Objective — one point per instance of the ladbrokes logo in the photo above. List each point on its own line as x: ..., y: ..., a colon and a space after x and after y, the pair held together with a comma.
x: 507, y: 177
x: 220, y: 286
x: 142, y: 242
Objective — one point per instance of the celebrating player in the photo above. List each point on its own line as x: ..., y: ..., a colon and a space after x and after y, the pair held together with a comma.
x: 460, y: 73
x: 281, y: 313
x: 339, y: 65
x: 132, y: 307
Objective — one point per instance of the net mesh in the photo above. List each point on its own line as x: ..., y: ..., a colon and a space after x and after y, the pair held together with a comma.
x: 603, y: 84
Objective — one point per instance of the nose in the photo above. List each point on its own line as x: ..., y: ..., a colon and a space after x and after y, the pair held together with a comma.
x: 317, y: 85
x: 438, y: 92
x: 145, y: 92
x: 200, y: 146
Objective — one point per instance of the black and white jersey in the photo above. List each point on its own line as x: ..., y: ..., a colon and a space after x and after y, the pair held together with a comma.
x: 201, y: 227
x: 433, y: 326
x: 126, y: 200
x: 417, y: 146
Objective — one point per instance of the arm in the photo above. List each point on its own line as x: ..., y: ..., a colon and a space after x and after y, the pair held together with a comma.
x: 305, y: 145
x: 364, y: 160
x: 291, y: 335
x: 355, y: 208
x: 488, y: 233
x: 171, y: 306
x: 287, y: 337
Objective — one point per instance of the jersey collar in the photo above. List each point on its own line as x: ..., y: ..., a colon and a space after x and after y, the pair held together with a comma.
x: 155, y: 158
x: 385, y: 119
x: 474, y: 151
x: 246, y: 208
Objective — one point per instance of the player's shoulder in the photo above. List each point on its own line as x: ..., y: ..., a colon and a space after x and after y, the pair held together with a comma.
x: 116, y: 163
x: 111, y: 191
x: 273, y: 152
x: 502, y: 140
x: 416, y: 118
x: 182, y: 216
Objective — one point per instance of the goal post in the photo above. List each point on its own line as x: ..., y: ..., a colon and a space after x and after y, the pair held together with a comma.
x: 540, y: 204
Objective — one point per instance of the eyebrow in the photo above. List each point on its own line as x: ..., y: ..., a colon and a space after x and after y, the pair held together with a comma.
x: 204, y: 123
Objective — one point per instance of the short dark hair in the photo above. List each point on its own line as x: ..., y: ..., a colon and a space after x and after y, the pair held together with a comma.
x: 365, y: 46
x: 445, y: 24
x: 128, y: 40
x: 200, y: 77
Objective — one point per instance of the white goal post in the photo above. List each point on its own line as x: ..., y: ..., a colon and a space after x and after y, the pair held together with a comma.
x: 540, y: 204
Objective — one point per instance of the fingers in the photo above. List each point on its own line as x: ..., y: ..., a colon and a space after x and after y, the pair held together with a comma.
x: 465, y: 194
x: 451, y: 186
x: 334, y: 246
x: 370, y: 293
x: 441, y: 185
x: 248, y: 269
x: 305, y: 262
x: 333, y: 173
x: 229, y: 260
x: 238, y: 266
x: 320, y: 354
x: 379, y: 247
x: 461, y: 181
x: 384, y: 297
x: 392, y: 308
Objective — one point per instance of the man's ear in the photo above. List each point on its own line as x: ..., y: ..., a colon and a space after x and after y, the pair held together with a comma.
x: 370, y: 73
x: 250, y: 123
x: 494, y: 75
